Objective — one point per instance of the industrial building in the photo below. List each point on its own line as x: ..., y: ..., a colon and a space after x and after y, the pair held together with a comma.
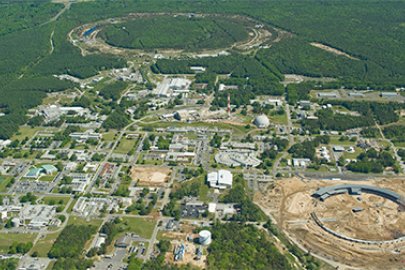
x: 39, y: 215
x: 84, y: 136
x: 46, y: 169
x: 325, y: 192
x: 54, y: 112
x: 388, y: 94
x: 235, y: 158
x: 221, y: 179
x: 327, y: 95
x: 172, y: 87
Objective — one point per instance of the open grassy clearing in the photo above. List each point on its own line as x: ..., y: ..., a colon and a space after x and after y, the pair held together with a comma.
x: 44, y: 245
x: 140, y: 226
x: 56, y: 200
x: 7, y: 239
x: 80, y: 221
x: 25, y: 131
x: 124, y: 146
x: 4, y: 181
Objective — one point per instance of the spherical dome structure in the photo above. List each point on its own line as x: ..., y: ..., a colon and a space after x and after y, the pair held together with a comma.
x: 204, y: 237
x: 262, y: 121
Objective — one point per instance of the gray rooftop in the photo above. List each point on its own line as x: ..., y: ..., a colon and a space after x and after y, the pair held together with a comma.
x: 326, y: 192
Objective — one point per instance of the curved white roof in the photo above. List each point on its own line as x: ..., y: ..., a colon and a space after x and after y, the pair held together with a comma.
x: 262, y: 121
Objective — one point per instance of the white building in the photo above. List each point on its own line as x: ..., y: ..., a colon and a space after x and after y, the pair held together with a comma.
x: 262, y: 121
x: 222, y: 179
x: 301, y: 162
x: 84, y: 136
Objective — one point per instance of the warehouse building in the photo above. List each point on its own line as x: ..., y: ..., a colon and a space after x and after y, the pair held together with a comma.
x: 221, y: 179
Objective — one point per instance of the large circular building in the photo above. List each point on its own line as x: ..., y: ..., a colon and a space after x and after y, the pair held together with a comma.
x: 262, y: 121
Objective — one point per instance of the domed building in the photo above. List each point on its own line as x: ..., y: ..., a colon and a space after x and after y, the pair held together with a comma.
x: 262, y: 121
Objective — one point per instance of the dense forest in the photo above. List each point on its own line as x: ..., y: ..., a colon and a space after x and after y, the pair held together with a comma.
x: 236, y: 246
x: 179, y: 32
x: 34, y: 46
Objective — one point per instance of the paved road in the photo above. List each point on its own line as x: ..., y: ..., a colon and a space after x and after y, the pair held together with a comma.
x: 290, y: 139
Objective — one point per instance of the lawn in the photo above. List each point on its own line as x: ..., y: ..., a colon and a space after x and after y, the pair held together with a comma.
x: 109, y: 136
x: 278, y: 119
x: 25, y: 131
x: 48, y: 178
x: 7, y: 239
x: 4, y: 181
x: 142, y: 226
x: 56, y: 200
x: 44, y: 244
x: 334, y: 140
x: 125, y: 146
x: 81, y: 221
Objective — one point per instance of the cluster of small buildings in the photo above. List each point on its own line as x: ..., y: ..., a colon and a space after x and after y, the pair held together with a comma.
x: 34, y: 217
x: 190, y: 115
x: 324, y: 153
x: 127, y: 74
x: 90, y: 207
x: 79, y: 181
x: 54, y: 112
x: 179, y: 150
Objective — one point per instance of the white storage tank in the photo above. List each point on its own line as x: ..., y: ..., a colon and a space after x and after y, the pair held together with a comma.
x: 205, y: 237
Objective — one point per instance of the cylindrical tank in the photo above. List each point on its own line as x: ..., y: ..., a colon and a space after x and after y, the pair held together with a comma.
x: 205, y: 237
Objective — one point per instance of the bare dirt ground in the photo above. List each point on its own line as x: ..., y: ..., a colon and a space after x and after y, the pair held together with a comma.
x: 151, y: 176
x: 295, y: 78
x: 332, y: 50
x: 289, y: 201
x: 178, y: 238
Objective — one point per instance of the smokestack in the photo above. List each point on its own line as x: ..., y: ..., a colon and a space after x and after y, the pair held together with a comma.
x: 229, y: 104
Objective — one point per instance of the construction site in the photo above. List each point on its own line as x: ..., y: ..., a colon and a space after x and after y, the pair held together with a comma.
x: 150, y: 176
x: 352, y: 227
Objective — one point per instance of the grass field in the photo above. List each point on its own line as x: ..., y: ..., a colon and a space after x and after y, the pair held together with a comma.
x: 80, y: 221
x: 125, y: 146
x: 278, y: 119
x: 4, y: 180
x: 141, y: 226
x: 48, y: 178
x: 109, y: 136
x: 180, y: 32
x: 7, y: 239
x: 44, y: 244
x: 25, y: 131
x: 56, y: 200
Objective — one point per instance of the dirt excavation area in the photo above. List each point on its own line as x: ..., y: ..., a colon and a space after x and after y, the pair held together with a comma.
x: 150, y: 175
x: 316, y: 224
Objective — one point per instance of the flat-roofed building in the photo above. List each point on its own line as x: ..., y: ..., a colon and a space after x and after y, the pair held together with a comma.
x: 221, y: 179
